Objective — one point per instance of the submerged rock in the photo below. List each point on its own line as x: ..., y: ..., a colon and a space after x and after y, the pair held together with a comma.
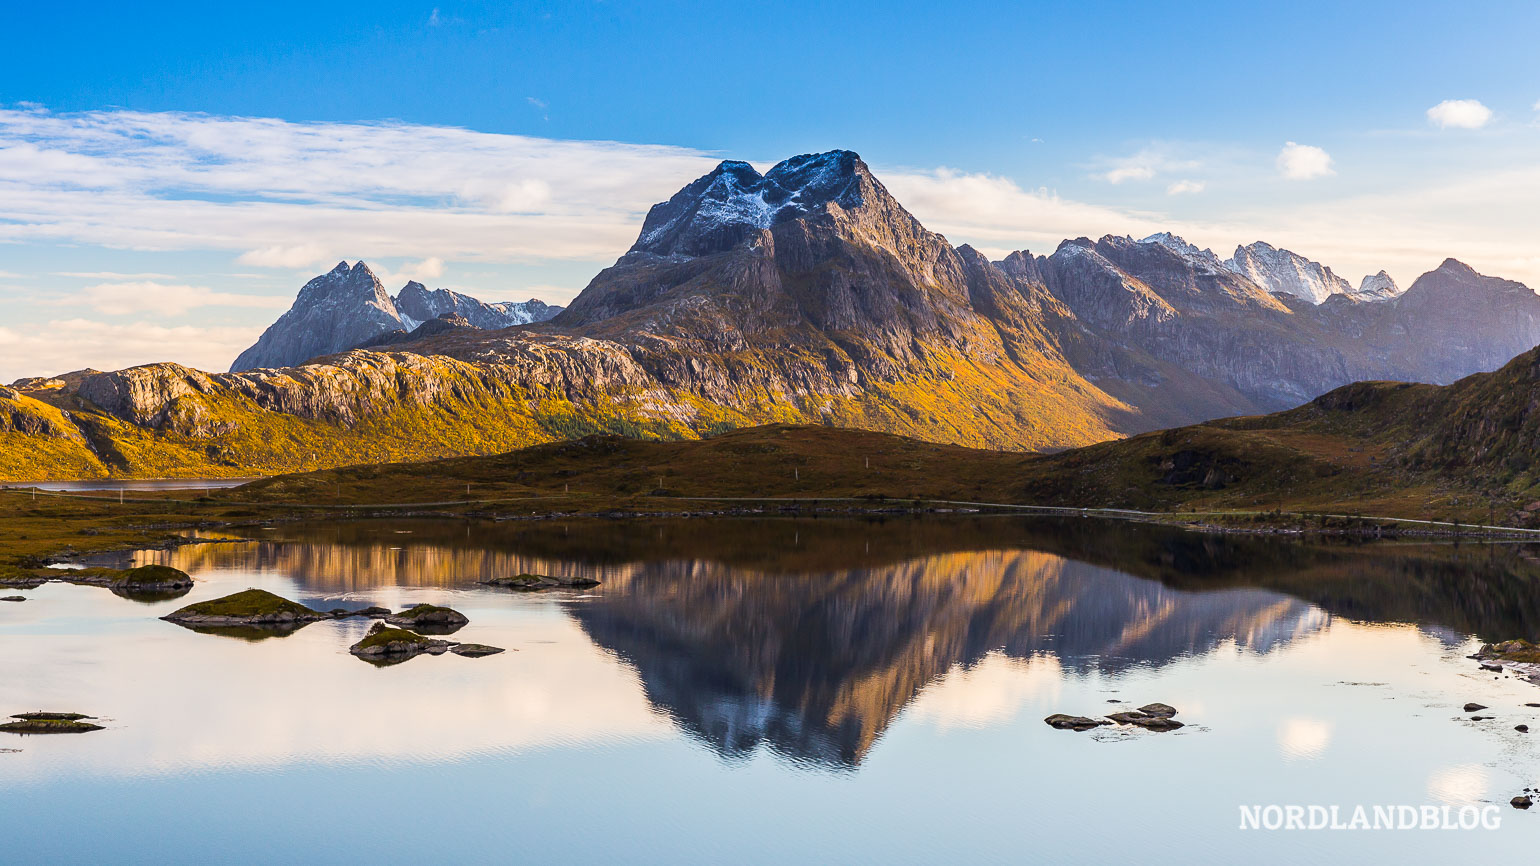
x: 14, y: 598
x: 252, y: 607
x: 49, y: 723
x: 475, y: 650
x: 429, y: 618
x: 383, y: 641
x: 1074, y: 723
x: 541, y: 581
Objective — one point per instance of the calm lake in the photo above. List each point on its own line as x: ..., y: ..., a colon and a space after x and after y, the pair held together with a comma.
x: 775, y: 690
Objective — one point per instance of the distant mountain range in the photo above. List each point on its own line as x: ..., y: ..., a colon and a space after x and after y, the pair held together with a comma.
x: 349, y: 307
x: 806, y: 294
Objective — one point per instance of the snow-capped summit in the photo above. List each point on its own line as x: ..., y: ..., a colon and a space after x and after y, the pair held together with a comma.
x: 1203, y: 259
x: 1378, y: 287
x: 721, y: 209
x: 1279, y: 270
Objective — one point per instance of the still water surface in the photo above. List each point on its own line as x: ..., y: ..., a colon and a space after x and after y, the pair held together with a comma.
x: 777, y: 690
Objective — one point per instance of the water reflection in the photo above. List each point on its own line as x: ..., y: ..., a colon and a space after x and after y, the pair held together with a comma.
x: 811, y: 636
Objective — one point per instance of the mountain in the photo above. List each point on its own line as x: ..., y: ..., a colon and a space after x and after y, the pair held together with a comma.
x: 416, y: 304
x: 806, y: 294
x: 334, y: 311
x: 1283, y: 271
x: 348, y: 307
x: 1378, y: 287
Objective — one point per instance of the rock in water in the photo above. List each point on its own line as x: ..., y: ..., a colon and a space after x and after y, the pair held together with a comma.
x: 1473, y: 707
x: 541, y: 581
x: 1073, y: 723
x: 475, y: 650
x: 383, y: 642
x: 14, y: 598
x: 250, y: 607
x: 49, y: 723
x: 1162, y: 710
x: 429, y: 618
x: 1521, y: 802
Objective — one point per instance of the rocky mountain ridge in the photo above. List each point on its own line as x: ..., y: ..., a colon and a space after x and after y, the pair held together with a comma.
x: 807, y: 294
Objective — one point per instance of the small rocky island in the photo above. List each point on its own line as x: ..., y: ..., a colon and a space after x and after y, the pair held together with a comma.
x: 429, y: 619
x: 395, y: 644
x: 534, y: 582
x: 1151, y: 717
x: 161, y: 581
x: 252, y: 607
x: 50, y: 723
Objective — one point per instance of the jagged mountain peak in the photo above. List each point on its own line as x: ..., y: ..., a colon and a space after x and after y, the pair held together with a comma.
x: 723, y: 208
x: 348, y: 306
x: 1280, y: 270
x: 1378, y: 287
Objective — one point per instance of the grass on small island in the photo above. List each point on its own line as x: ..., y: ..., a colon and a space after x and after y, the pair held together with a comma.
x: 247, y: 603
x: 382, y: 635
x: 418, y: 610
x: 49, y: 723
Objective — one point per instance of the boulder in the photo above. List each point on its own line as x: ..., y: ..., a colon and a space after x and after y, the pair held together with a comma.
x: 1521, y: 802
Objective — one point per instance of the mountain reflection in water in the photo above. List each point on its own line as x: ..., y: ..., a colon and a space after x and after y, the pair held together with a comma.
x: 810, y: 636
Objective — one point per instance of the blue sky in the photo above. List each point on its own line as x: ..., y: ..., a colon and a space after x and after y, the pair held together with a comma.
x: 216, y: 157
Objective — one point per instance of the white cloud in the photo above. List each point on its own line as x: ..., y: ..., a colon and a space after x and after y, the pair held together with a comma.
x: 123, y: 299
x: 298, y: 256
x: 1129, y: 172
x: 1144, y: 165
x: 1185, y: 187
x: 294, y: 195
x: 1459, y: 114
x: 73, y: 344
x: 1303, y: 162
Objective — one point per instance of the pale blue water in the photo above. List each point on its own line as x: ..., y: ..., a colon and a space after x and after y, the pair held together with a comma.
x: 773, y: 691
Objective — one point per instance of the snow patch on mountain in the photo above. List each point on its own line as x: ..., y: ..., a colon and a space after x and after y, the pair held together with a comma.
x: 1279, y: 270
x: 722, y: 209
